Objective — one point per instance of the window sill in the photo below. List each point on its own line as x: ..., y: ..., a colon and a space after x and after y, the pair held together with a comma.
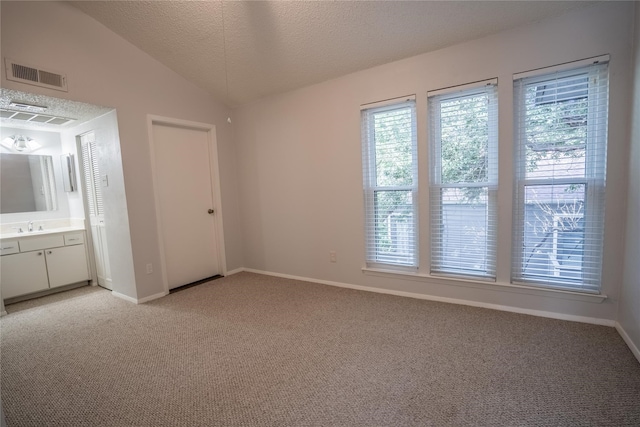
x: 480, y: 283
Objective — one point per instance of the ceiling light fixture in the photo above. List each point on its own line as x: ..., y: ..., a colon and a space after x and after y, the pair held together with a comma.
x: 20, y: 143
x: 28, y: 107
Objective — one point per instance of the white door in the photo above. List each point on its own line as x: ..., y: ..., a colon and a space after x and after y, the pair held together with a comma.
x: 183, y: 179
x: 93, y: 193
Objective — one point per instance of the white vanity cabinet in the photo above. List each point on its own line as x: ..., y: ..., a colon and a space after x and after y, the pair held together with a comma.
x: 38, y: 263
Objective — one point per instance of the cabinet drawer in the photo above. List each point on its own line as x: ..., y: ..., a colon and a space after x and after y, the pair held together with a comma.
x: 41, y: 242
x: 9, y: 247
x: 73, y: 239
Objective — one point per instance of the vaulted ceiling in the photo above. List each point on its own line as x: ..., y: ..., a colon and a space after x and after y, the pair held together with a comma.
x: 240, y: 51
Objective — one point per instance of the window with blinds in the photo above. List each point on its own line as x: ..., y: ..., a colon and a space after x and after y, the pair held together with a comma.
x: 560, y: 141
x: 464, y: 179
x: 390, y: 182
x: 91, y: 174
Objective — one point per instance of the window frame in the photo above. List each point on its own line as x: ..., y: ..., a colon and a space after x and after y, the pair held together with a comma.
x: 594, y: 178
x: 435, y: 99
x: 373, y: 256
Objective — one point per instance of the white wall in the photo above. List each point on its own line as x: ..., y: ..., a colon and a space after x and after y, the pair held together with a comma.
x: 51, y: 146
x: 104, y: 69
x: 629, y: 314
x: 301, y: 170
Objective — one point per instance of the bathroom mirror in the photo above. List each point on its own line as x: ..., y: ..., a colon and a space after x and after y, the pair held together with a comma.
x: 27, y: 183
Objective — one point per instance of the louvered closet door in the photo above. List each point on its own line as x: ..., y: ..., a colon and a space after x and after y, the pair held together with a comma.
x: 93, y: 190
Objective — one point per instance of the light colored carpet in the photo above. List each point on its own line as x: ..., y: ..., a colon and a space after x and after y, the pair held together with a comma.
x: 252, y: 350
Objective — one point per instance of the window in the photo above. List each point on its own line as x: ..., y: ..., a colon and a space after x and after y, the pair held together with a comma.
x: 390, y: 182
x: 464, y: 180
x: 560, y: 137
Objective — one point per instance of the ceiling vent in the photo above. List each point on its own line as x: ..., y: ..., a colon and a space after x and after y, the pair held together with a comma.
x: 35, y: 76
x: 34, y: 117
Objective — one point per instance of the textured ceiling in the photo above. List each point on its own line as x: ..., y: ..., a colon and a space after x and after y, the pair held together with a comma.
x: 266, y: 47
x: 79, y: 112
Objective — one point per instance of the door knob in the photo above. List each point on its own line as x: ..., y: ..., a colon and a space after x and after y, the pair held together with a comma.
x: 210, y: 211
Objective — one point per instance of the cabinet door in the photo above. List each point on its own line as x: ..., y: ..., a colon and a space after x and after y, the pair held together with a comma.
x: 67, y: 265
x: 22, y: 274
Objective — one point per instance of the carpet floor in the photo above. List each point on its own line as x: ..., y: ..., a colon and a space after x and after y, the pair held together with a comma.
x: 254, y: 350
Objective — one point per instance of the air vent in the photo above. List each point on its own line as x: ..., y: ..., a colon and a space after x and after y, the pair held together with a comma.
x: 34, y: 118
x: 35, y: 76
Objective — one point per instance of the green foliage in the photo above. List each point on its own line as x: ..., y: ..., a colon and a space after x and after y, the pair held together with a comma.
x: 556, y: 134
x: 394, y: 168
x: 464, y: 135
x: 394, y: 142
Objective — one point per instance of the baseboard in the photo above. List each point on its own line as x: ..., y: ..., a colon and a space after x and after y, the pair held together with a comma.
x: 236, y: 271
x: 136, y: 300
x: 124, y: 297
x: 152, y: 297
x: 627, y: 339
x: 539, y: 313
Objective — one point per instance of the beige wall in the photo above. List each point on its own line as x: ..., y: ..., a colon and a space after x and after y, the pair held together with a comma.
x: 629, y: 314
x: 301, y: 169
x: 104, y: 69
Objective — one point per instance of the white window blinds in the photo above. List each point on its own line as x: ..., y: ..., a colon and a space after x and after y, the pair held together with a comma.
x: 390, y: 182
x: 560, y: 138
x: 464, y: 180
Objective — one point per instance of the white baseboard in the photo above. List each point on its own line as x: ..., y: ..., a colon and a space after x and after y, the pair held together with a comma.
x: 539, y: 313
x: 124, y: 297
x: 627, y: 339
x: 3, y: 313
x: 138, y: 301
x: 152, y: 297
x: 236, y: 271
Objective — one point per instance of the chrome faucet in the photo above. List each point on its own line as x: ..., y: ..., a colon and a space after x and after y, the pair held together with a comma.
x: 30, y: 226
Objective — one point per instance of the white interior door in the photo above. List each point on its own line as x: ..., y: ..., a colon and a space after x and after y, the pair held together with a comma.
x: 183, y: 179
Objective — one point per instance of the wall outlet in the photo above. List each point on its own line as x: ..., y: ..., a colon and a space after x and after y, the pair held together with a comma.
x: 149, y: 268
x: 332, y: 256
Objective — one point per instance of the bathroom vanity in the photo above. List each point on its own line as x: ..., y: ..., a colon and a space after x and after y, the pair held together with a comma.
x: 37, y: 261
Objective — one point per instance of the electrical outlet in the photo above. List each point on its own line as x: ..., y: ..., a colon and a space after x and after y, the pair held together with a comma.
x: 333, y: 257
x: 149, y: 268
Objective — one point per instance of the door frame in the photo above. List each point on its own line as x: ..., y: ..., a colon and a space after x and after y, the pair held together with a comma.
x: 215, y: 187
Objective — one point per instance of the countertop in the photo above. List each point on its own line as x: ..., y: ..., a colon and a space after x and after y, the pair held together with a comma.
x: 35, y: 233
